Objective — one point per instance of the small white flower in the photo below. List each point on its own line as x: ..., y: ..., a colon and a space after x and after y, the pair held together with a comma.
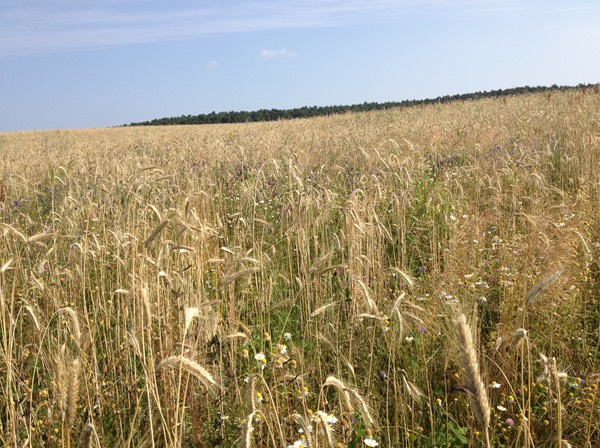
x: 501, y: 408
x: 262, y: 359
x: 495, y: 385
x: 331, y: 419
x: 371, y: 442
x: 409, y: 339
x: 287, y: 336
x: 303, y: 393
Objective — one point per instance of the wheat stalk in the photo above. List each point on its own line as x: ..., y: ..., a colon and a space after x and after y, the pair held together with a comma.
x: 159, y: 228
x: 248, y: 429
x: 74, y: 322
x: 193, y: 368
x: 541, y: 286
x: 352, y: 398
x: 305, y: 428
x: 189, y: 314
x: 473, y: 383
x: 321, y: 420
x: 362, y: 406
x: 229, y: 278
x: 341, y: 388
x: 72, y: 397
x: 61, y: 381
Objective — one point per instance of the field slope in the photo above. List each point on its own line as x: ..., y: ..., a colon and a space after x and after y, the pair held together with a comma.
x: 303, y: 283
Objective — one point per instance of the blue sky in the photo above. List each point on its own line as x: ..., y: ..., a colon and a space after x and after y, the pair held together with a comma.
x: 75, y: 63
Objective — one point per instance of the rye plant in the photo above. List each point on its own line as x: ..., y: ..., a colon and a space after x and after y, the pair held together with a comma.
x: 299, y: 283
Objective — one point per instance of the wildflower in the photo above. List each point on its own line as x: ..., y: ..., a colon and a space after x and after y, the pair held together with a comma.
x: 371, y: 442
x: 287, y: 336
x: 298, y: 444
x: 259, y: 397
x: 266, y: 336
x: 509, y: 422
x: 331, y: 419
x: 262, y: 359
x: 495, y: 385
x: 409, y: 339
x: 501, y: 408
x: 282, y: 348
x: 303, y: 393
x: 245, y: 353
x: 386, y: 325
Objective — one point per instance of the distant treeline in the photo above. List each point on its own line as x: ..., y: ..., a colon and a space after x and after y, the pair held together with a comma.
x: 315, y: 111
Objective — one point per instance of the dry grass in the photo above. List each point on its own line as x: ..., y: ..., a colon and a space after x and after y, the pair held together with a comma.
x: 217, y: 285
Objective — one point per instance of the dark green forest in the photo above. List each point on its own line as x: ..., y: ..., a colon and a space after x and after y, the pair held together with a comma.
x: 315, y: 111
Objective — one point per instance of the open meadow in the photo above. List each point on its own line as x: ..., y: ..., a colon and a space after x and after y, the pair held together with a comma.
x: 419, y: 277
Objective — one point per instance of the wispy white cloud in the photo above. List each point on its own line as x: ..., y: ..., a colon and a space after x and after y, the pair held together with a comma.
x: 211, y: 65
x: 282, y: 53
x: 51, y: 26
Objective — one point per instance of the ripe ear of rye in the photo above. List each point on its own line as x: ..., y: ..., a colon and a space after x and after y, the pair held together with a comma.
x: 474, y: 385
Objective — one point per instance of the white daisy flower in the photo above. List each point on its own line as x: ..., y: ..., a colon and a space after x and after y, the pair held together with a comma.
x: 371, y: 442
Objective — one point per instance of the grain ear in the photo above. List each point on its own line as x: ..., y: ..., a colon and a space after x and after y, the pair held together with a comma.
x: 474, y: 385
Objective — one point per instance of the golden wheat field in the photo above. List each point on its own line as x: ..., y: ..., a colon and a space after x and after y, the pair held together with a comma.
x: 420, y: 277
